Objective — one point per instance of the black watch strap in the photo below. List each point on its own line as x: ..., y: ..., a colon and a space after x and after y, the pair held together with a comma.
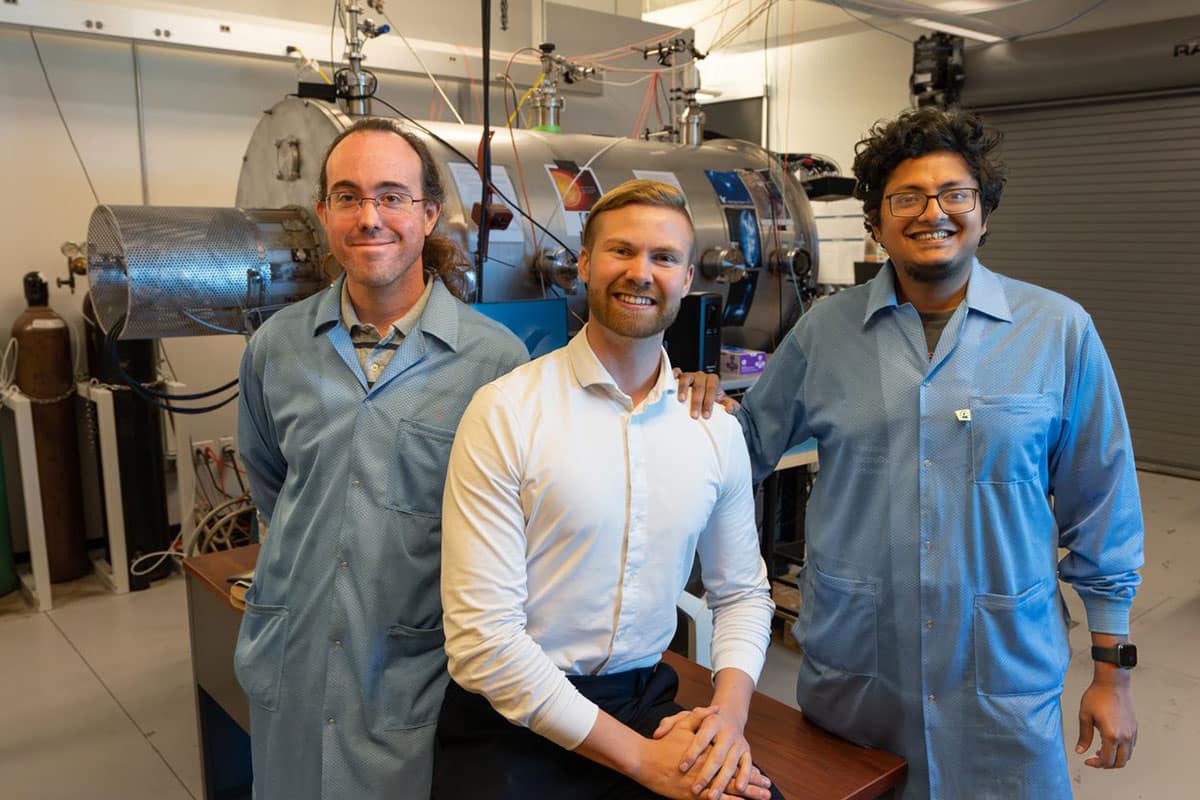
x: 1124, y: 655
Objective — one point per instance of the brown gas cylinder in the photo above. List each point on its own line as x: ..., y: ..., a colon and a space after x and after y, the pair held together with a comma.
x: 45, y: 375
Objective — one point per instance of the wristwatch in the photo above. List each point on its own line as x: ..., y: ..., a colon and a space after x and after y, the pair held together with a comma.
x: 1124, y: 655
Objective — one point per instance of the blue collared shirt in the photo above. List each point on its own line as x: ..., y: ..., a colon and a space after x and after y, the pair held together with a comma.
x: 931, y: 622
x: 340, y: 651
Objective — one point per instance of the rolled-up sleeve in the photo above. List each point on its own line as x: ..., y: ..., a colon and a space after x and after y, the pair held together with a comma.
x: 484, y: 581
x: 1094, y: 483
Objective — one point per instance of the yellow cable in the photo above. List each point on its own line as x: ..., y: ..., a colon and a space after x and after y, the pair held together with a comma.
x: 525, y: 97
x: 312, y: 64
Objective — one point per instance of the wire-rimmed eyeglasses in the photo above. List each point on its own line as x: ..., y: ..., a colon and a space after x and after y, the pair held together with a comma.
x: 387, y: 203
x: 958, y: 200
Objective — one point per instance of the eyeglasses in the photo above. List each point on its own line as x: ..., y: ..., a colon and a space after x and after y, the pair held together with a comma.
x: 387, y: 203
x: 951, y: 201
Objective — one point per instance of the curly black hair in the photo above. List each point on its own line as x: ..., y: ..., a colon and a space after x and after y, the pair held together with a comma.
x: 918, y: 133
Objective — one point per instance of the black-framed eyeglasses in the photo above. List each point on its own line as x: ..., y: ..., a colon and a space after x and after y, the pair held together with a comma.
x: 958, y: 200
x: 387, y: 203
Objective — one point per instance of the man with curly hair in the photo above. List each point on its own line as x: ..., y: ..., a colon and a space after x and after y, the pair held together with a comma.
x: 969, y: 426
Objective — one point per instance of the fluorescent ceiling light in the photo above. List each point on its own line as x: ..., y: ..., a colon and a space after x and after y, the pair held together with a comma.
x: 955, y: 29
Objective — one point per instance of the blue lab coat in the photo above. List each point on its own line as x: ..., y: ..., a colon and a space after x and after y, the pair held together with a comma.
x: 340, y: 651
x: 931, y: 620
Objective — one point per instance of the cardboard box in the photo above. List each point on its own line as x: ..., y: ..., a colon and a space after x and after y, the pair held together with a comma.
x: 740, y: 361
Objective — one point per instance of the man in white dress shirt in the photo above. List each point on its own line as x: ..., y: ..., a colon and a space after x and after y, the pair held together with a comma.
x: 577, y: 496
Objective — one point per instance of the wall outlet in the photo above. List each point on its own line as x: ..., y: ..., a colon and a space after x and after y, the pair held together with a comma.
x: 225, y: 442
x: 199, y: 448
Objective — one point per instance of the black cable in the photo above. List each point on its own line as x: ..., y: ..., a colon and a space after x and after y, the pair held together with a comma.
x: 485, y: 152
x: 767, y: 94
x: 1063, y: 24
x: 229, y: 452
x: 129, y: 379
x: 212, y: 477
x: 868, y: 23
x: 199, y: 484
x: 151, y: 396
x: 332, y: 30
x: 470, y: 161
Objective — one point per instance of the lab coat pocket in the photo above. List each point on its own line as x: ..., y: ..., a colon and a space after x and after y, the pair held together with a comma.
x: 414, y: 677
x: 418, y: 469
x: 258, y: 658
x: 843, y: 629
x: 1008, y: 437
x: 1020, y: 641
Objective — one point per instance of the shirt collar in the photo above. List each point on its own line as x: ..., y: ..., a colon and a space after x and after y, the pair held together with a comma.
x: 439, y: 317
x: 403, y: 326
x: 589, y: 370
x: 984, y: 292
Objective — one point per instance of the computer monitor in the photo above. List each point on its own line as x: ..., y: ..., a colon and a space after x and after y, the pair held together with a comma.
x: 541, y: 325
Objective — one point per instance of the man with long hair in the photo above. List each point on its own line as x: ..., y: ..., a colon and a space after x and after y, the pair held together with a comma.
x: 348, y: 406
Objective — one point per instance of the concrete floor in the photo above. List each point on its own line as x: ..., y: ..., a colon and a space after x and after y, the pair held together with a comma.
x: 96, y: 698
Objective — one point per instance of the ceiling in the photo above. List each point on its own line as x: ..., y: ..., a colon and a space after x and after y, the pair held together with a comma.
x: 796, y: 21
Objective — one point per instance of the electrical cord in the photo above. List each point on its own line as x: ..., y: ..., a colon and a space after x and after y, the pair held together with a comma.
x: 868, y: 23
x: 471, y: 162
x: 421, y: 64
x: 1062, y: 24
x: 215, y: 527
x: 533, y: 234
x: 153, y: 396
x: 333, y: 30
x: 50, y: 88
x: 8, y: 365
x: 485, y: 147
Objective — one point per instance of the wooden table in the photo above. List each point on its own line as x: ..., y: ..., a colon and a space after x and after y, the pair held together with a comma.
x: 805, y: 762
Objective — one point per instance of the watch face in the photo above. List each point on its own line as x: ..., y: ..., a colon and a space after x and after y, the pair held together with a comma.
x: 1127, y: 655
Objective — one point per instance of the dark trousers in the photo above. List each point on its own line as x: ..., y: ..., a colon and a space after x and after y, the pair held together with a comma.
x: 480, y: 754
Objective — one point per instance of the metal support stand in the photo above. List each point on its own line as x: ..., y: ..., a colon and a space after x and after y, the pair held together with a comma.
x: 35, y: 587
x: 115, y: 575
x: 185, y: 475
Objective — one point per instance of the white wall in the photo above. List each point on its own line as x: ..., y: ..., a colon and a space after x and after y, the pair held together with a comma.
x: 823, y: 95
x: 200, y: 109
x: 199, y: 112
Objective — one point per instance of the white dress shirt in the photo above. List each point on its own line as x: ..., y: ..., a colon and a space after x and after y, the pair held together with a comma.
x: 569, y: 525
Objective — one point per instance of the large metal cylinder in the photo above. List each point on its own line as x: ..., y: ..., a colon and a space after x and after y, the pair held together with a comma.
x: 44, y: 374
x: 736, y: 191
x: 139, y: 449
x: 179, y: 271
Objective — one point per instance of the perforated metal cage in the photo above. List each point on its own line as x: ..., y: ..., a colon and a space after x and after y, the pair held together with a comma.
x: 180, y: 271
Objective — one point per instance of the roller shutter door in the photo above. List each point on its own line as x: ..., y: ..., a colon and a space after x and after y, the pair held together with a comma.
x: 1103, y: 205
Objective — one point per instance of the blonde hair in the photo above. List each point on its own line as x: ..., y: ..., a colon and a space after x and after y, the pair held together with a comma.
x: 637, y: 193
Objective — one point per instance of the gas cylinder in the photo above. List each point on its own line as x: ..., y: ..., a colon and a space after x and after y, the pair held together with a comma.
x: 45, y: 375
x: 139, y: 446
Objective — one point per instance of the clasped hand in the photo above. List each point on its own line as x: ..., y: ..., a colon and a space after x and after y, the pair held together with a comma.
x: 715, y: 758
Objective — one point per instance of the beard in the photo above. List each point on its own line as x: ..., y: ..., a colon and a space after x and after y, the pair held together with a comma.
x: 935, y: 272
x: 630, y: 324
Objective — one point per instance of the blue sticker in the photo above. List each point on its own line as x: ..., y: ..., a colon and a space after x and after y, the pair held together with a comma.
x: 730, y: 189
